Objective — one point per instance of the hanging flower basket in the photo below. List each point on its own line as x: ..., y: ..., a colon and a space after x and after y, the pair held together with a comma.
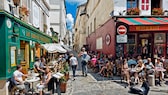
x: 133, y: 11
x: 24, y: 10
x: 157, y: 11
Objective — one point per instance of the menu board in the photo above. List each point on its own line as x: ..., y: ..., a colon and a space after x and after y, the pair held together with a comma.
x: 13, y: 56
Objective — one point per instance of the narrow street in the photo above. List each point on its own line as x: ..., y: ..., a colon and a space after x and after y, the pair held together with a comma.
x: 95, y: 84
x: 90, y: 86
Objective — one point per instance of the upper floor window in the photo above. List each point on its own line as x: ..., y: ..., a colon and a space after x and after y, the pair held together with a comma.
x: 132, y: 3
x: 145, y: 4
x: 156, y: 3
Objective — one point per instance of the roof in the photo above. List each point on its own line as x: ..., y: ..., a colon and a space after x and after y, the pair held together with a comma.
x: 144, y: 21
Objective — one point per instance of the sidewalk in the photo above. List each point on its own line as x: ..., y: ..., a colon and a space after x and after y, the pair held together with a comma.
x: 90, y: 86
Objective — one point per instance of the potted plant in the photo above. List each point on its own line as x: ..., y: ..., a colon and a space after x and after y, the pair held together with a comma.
x: 63, y: 83
x: 157, y: 11
x: 24, y: 11
x: 133, y: 11
x: 66, y: 68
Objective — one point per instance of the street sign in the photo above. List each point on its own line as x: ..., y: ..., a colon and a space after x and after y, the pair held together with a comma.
x: 121, y: 30
x: 121, y: 38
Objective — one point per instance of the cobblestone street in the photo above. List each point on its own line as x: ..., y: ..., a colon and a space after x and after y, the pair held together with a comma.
x: 90, y: 86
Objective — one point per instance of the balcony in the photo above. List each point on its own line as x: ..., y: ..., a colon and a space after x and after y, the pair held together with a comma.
x: 157, y: 11
x: 133, y: 11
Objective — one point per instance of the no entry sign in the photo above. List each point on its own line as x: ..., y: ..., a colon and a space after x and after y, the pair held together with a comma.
x: 121, y: 30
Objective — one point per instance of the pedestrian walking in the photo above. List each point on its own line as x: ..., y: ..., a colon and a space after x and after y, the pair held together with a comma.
x: 85, y: 58
x: 73, y: 62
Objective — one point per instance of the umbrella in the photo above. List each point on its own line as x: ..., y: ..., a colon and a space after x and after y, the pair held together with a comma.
x: 131, y: 62
x: 53, y: 48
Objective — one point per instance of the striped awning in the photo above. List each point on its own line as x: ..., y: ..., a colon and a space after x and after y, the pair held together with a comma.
x: 144, y: 21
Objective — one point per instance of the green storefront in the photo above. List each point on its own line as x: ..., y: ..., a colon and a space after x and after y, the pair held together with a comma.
x: 19, y: 44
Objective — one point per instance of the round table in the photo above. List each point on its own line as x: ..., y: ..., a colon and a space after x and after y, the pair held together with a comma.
x: 32, y: 80
x: 160, y: 69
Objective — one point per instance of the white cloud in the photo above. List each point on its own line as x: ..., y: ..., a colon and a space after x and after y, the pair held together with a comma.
x: 70, y: 21
x: 78, y: 2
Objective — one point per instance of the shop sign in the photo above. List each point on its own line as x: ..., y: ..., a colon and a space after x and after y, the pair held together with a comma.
x: 8, y: 23
x: 108, y: 39
x: 145, y: 28
x: 121, y: 30
x: 121, y: 38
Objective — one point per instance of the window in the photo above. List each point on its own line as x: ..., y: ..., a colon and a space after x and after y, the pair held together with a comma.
x: 156, y: 4
x: 94, y: 24
x: 88, y: 31
x: 132, y: 4
x: 90, y: 27
x: 145, y: 4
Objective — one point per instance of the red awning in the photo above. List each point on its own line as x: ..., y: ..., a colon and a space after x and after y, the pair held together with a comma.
x: 144, y: 21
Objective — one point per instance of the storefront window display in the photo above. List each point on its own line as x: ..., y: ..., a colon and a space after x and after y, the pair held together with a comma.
x: 131, y: 45
x: 159, y: 47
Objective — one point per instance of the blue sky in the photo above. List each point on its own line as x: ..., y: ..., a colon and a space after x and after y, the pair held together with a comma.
x: 71, y: 7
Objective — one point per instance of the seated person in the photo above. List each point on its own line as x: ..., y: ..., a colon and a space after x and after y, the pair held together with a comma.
x: 125, y: 71
x: 37, y: 66
x: 105, y: 67
x: 18, y: 78
x: 45, y: 80
x: 149, y: 66
x: 42, y: 62
x: 94, y: 60
x: 139, y: 71
x: 159, y: 73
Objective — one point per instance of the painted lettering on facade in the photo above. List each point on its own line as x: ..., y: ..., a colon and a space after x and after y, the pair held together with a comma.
x: 144, y: 28
x: 28, y: 34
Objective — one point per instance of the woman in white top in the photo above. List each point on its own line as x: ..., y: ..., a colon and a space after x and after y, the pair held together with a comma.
x: 159, y: 65
x: 139, y: 70
x: 73, y: 62
x: 44, y: 81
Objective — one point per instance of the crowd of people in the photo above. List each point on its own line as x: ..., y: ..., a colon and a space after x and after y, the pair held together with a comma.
x: 139, y: 68
x: 129, y: 68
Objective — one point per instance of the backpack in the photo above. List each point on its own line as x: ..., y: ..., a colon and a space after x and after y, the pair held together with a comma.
x: 143, y: 90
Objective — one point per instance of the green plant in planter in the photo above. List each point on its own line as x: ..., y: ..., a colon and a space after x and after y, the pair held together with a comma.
x: 66, y: 67
x: 63, y: 79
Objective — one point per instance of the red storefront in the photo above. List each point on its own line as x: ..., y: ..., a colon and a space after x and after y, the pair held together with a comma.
x: 103, y: 39
x: 131, y: 36
x: 144, y: 36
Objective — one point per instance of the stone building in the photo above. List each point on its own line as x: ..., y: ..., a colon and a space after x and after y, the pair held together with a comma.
x: 58, y: 18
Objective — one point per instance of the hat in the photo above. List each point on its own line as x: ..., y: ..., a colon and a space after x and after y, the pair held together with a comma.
x: 158, y: 58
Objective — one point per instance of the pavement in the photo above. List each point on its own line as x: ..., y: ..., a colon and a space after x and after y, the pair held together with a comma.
x: 90, y: 86
x: 95, y: 84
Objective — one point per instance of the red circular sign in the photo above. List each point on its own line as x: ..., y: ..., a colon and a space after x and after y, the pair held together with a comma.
x: 108, y: 39
x: 121, y: 30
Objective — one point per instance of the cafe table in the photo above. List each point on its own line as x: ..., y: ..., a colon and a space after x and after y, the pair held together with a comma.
x: 160, y: 69
x: 32, y: 80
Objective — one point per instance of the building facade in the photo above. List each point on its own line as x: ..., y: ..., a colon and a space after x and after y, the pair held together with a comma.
x: 58, y: 18
x: 127, y: 27
x: 24, y: 26
x: 80, y: 28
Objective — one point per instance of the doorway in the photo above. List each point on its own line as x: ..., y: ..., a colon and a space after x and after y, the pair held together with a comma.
x: 145, y: 41
x: 24, y: 50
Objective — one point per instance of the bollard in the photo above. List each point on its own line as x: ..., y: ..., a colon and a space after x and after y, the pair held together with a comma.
x: 151, y: 80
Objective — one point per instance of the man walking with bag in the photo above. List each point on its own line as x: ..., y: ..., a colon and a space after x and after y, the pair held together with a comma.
x: 85, y: 58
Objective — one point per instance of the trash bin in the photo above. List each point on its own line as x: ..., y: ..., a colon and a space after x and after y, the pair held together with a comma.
x: 151, y: 80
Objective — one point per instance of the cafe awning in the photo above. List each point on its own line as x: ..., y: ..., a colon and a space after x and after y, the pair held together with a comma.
x: 54, y: 48
x: 144, y: 21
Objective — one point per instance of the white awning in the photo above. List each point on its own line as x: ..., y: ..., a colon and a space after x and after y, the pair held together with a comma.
x: 66, y: 47
x: 54, y: 48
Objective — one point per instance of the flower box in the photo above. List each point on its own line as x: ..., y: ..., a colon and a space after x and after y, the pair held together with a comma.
x: 133, y: 11
x: 157, y: 11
